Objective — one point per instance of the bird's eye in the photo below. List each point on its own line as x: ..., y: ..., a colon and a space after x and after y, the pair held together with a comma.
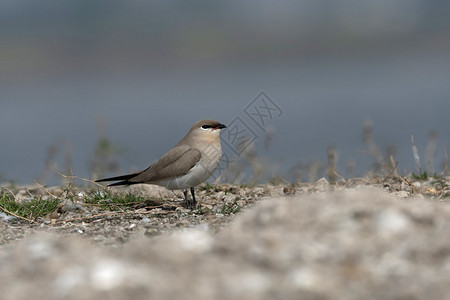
x: 206, y: 127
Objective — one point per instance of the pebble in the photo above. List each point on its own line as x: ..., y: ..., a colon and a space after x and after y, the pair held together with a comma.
x: 146, y: 220
x: 220, y: 195
x: 321, y: 185
x: 392, y: 222
x: 230, y: 198
x: 402, y: 194
x: 70, y: 206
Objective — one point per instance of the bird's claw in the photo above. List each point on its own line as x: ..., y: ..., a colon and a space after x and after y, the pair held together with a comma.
x: 189, y: 203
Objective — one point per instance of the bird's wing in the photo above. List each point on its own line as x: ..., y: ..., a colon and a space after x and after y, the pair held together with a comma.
x: 178, y: 161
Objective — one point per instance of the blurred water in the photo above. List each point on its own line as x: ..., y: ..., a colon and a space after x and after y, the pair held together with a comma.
x: 325, y: 101
x: 152, y: 68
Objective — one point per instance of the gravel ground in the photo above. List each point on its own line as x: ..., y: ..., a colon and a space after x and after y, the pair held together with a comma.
x: 365, y: 239
x: 217, y: 207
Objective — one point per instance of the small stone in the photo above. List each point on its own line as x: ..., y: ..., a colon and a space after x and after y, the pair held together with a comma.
x: 321, y: 185
x: 431, y: 191
x: 53, y: 215
x: 202, y: 227
x: 241, y: 203
x: 230, y: 198
x: 206, y: 207
x: 219, y: 195
x: 288, y: 190
x: 402, y: 194
x: 99, y: 238
x: 70, y: 206
x: 151, y: 231
x: 6, y: 217
x: 392, y: 221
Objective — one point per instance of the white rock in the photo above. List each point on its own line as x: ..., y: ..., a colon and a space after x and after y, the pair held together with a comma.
x: 402, y: 194
x: 321, y: 185
x: 392, y: 222
x: 194, y: 240
x: 106, y: 274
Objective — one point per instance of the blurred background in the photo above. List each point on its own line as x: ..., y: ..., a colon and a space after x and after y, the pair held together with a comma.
x: 102, y: 87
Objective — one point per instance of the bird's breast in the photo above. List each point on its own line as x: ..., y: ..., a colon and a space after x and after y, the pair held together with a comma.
x: 199, y: 173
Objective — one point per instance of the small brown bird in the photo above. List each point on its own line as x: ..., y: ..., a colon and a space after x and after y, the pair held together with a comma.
x: 189, y: 163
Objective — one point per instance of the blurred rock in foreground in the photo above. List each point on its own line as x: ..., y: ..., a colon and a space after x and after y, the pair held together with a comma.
x: 356, y: 244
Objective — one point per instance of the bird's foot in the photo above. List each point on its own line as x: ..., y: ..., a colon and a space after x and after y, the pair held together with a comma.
x: 189, y: 203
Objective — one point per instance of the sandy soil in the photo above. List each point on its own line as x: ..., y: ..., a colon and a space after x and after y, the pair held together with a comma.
x: 365, y: 239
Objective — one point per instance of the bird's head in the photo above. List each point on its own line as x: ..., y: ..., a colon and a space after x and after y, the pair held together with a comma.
x: 205, y: 131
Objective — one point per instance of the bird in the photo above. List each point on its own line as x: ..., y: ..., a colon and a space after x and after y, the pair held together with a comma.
x: 189, y: 163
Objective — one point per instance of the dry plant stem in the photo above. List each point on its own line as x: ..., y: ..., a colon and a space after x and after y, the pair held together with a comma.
x: 80, y: 178
x: 45, y: 189
x: 28, y: 192
x: 152, y: 212
x: 17, y: 216
x: 416, y: 155
x: 68, y: 158
x: 89, y: 217
x: 356, y: 180
x: 393, y: 171
x: 115, y: 214
x: 441, y: 194
x: 370, y: 143
x: 430, y: 149
x: 394, y: 166
x: 11, y: 213
x: 331, y: 169
x: 413, y: 187
x: 9, y: 191
x: 121, y: 209
x: 445, y: 168
x: 115, y: 204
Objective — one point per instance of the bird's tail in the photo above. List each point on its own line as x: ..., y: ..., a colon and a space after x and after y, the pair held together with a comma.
x: 123, y: 179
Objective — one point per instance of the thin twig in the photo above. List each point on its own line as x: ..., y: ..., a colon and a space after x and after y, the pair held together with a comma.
x: 12, y: 194
x: 15, y: 215
x: 413, y: 187
x: 29, y: 194
x: 11, y: 213
x: 90, y: 217
x: 444, y: 169
x: 116, y: 213
x: 394, y: 167
x: 45, y: 189
x: 416, y: 155
x: 80, y: 178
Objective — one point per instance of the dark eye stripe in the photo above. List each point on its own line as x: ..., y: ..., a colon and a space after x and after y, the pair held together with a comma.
x: 206, y: 126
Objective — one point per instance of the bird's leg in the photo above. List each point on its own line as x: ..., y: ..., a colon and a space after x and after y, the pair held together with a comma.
x: 193, y: 196
x: 189, y: 203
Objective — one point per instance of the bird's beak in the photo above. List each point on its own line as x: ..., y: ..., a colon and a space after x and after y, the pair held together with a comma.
x: 221, y: 126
